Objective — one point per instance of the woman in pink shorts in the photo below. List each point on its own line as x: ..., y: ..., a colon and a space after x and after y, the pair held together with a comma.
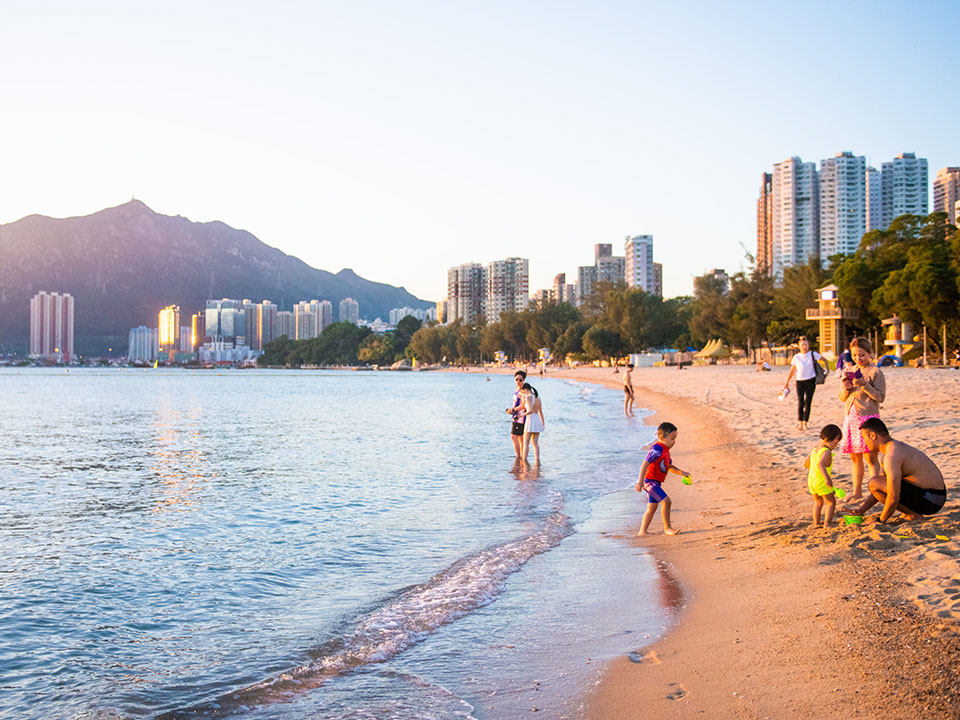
x: 864, y: 388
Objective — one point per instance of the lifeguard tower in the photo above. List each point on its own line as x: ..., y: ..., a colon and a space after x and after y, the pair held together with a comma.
x: 831, y: 317
x: 899, y: 336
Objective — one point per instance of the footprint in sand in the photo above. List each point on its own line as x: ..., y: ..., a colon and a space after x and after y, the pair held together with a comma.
x: 677, y: 692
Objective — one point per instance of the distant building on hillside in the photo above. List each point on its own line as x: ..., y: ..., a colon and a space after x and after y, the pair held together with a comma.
x: 946, y: 192
x: 51, y: 326
x: 658, y: 279
x: 904, y: 187
x: 398, y: 314
x: 349, y: 311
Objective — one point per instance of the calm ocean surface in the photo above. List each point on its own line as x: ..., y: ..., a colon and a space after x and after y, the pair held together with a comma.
x: 310, y: 545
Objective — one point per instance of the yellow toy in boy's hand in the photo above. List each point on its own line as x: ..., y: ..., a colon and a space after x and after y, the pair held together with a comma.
x: 686, y: 479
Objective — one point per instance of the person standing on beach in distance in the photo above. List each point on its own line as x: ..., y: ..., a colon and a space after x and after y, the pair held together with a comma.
x: 653, y: 472
x: 911, y: 482
x: 628, y: 390
x: 864, y: 388
x: 516, y: 429
x: 802, y: 365
x: 819, y: 463
x: 533, y: 424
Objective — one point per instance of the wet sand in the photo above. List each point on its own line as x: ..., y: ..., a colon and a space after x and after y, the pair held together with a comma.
x: 781, y: 620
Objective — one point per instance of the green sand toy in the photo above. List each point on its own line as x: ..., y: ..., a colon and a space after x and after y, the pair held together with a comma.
x: 853, y: 519
x: 839, y: 492
x: 686, y: 480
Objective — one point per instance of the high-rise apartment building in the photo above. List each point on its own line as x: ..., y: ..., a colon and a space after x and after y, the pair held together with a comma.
x: 843, y: 204
x: 946, y: 192
x: 904, y: 187
x: 796, y: 216
x: 586, y: 278
x: 874, y: 200
x: 198, y: 330
x: 563, y: 291
x: 51, y: 325
x: 349, y: 311
x: 765, y: 225
x: 441, y: 315
x: 168, y: 329
x: 465, y: 293
x: 285, y: 324
x: 657, y: 280
x: 266, y: 314
x: 507, y: 287
x: 602, y: 250
x: 142, y: 345
x: 639, y: 262
x: 224, y: 320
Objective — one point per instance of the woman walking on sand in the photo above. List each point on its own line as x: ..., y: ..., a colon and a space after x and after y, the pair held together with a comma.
x: 864, y: 388
x: 533, y: 421
x: 803, y: 366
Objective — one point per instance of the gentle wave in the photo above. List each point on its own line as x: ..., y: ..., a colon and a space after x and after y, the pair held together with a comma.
x: 470, y: 583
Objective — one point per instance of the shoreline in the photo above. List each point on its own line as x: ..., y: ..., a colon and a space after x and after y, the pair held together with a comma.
x: 782, y: 620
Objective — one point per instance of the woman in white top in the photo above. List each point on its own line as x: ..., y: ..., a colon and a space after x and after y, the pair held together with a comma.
x: 802, y: 366
x: 533, y: 421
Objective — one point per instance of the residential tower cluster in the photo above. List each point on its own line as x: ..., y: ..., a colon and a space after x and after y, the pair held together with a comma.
x: 805, y: 213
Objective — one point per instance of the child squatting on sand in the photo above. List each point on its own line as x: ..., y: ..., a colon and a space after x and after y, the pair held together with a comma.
x: 819, y: 481
x: 653, y: 472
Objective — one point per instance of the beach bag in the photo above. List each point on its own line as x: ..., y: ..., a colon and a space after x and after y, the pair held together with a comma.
x: 820, y: 375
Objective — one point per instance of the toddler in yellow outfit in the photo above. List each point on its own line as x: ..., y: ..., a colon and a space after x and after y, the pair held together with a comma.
x: 819, y: 480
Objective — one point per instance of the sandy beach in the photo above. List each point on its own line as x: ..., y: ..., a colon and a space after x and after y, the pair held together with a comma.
x: 782, y: 620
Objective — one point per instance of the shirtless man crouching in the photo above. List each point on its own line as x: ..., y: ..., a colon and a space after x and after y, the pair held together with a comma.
x: 910, y: 483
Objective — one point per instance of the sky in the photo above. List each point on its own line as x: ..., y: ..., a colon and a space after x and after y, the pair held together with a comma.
x: 402, y: 138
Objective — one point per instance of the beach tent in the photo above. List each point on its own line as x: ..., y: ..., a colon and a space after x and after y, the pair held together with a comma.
x: 708, y: 348
x: 719, y: 351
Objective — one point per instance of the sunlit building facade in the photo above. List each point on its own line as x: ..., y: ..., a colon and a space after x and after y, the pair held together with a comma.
x: 946, y: 192
x: 796, y: 216
x: 168, y: 329
x: 843, y: 204
x: 507, y: 287
x: 765, y: 225
x: 639, y: 262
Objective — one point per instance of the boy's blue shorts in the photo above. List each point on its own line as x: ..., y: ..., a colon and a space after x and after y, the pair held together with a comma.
x: 655, y: 493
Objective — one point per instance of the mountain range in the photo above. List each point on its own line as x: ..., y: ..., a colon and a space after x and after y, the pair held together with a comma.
x: 124, y: 264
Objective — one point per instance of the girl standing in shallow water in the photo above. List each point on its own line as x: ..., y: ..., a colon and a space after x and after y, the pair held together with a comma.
x: 864, y: 388
x: 533, y: 423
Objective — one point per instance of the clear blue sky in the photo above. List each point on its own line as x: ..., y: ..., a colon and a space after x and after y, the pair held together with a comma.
x: 401, y: 138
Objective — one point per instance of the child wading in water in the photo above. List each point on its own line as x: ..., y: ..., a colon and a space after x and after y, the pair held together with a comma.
x: 819, y: 481
x: 653, y: 472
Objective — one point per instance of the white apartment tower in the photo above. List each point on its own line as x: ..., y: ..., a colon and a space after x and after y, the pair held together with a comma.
x: 51, y: 325
x: 507, y: 285
x: 350, y: 311
x: 946, y: 192
x: 142, y: 344
x: 904, y: 187
x: 796, y: 216
x: 843, y: 180
x: 873, y: 201
x: 639, y: 269
x: 465, y: 293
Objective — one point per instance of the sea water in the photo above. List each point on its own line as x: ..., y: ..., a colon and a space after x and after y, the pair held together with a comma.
x: 322, y: 544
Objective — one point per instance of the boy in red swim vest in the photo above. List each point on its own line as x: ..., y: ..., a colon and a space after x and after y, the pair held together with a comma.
x: 653, y: 472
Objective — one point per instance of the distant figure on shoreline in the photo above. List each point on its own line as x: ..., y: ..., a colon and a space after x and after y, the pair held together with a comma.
x: 819, y: 482
x: 653, y: 472
x: 628, y: 393
x: 803, y: 365
x: 516, y: 429
x: 533, y: 423
x: 864, y: 388
x: 911, y: 482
